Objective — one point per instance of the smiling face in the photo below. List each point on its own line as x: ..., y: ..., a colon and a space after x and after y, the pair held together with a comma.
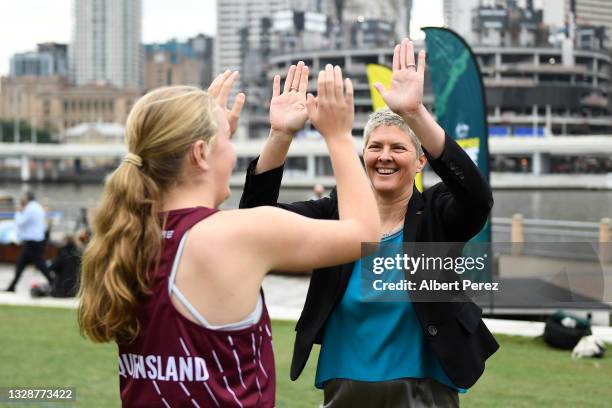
x: 391, y: 160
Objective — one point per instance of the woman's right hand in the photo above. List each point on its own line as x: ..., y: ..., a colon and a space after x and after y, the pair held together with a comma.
x: 332, y: 111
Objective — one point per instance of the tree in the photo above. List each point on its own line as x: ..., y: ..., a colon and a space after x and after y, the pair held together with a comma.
x: 7, y: 135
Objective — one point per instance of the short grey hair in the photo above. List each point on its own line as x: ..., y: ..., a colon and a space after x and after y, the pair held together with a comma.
x: 386, y: 117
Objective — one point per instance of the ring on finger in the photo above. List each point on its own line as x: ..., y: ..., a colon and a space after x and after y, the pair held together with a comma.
x: 411, y: 66
x: 293, y: 89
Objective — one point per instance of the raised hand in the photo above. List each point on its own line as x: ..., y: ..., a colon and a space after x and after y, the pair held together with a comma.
x: 220, y: 89
x: 288, y: 109
x: 405, y: 97
x: 332, y: 111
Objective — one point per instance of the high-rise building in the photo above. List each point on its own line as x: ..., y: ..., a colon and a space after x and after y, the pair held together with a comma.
x: 204, y: 46
x: 555, y: 13
x: 397, y: 12
x: 106, y: 45
x: 590, y: 16
x: 179, y: 63
x: 352, y: 10
x: 49, y: 59
x: 595, y: 13
x: 458, y: 17
x: 241, y: 26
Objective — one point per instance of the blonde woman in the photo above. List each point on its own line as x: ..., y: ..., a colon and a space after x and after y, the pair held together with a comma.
x: 176, y: 282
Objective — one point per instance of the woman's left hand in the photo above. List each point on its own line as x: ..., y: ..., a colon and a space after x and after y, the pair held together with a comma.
x: 220, y: 89
x: 405, y: 97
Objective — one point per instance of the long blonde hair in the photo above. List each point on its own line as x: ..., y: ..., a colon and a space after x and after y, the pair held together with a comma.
x: 126, y: 243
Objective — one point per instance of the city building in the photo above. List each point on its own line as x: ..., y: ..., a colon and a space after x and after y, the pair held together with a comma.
x: 106, y: 45
x: 90, y: 103
x: 19, y: 98
x: 509, y: 26
x: 95, y: 133
x: 537, y: 62
x: 556, y: 13
x: 49, y: 59
x: 396, y: 12
x: 532, y: 91
x: 367, y: 23
x: 242, y: 25
x: 531, y: 98
x: 529, y: 92
x: 483, y: 21
x: 594, y: 13
x: 289, y: 27
x: 298, y: 30
x: 353, y: 62
x: 50, y: 103
x: 458, y: 17
x: 541, y: 80
x: 204, y: 48
x: 179, y: 63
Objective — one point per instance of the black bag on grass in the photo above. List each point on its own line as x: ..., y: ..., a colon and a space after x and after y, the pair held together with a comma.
x: 564, y: 331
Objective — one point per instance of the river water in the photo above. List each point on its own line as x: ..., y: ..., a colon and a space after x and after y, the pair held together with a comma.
x: 546, y: 204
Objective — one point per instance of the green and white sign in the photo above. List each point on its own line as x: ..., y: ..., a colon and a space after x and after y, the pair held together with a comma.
x: 459, y: 98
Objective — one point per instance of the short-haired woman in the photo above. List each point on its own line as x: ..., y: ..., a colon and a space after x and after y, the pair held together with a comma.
x: 390, y: 354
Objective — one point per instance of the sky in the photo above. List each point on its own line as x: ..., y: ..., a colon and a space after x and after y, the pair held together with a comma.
x: 24, y: 23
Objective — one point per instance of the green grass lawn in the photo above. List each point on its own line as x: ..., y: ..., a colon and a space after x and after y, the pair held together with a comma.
x: 41, y: 347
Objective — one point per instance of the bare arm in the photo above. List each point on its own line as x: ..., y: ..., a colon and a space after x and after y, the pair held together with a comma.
x: 287, y: 116
x: 298, y: 243
x: 332, y: 113
x: 405, y: 97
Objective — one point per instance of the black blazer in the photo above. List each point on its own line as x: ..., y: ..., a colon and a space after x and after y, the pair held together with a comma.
x: 452, y: 211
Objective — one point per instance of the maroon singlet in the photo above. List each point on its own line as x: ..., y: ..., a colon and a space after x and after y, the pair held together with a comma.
x: 175, y: 362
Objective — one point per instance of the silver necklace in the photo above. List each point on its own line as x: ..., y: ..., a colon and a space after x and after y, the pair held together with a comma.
x: 395, y: 229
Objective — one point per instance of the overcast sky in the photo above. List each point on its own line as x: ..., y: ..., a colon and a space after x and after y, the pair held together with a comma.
x: 24, y: 23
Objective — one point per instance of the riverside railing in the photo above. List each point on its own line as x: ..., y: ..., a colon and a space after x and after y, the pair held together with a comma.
x: 528, y: 232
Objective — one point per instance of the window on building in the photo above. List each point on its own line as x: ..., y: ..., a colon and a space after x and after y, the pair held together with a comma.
x: 323, y: 166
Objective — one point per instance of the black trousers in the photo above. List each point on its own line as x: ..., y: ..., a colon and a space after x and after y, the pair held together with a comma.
x: 31, y: 253
x: 402, y: 393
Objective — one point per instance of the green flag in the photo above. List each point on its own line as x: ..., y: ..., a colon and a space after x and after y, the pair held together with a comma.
x: 459, y: 98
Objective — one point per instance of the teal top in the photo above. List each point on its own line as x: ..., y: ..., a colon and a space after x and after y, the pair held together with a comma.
x: 370, y: 340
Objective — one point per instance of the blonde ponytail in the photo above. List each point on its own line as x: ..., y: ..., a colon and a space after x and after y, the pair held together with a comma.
x: 119, y: 261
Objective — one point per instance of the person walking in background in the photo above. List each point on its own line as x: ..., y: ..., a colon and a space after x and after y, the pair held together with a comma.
x: 175, y: 282
x: 31, y: 221
x: 317, y: 191
x: 389, y: 353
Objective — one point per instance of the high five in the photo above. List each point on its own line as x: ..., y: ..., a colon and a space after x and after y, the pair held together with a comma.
x: 187, y: 310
